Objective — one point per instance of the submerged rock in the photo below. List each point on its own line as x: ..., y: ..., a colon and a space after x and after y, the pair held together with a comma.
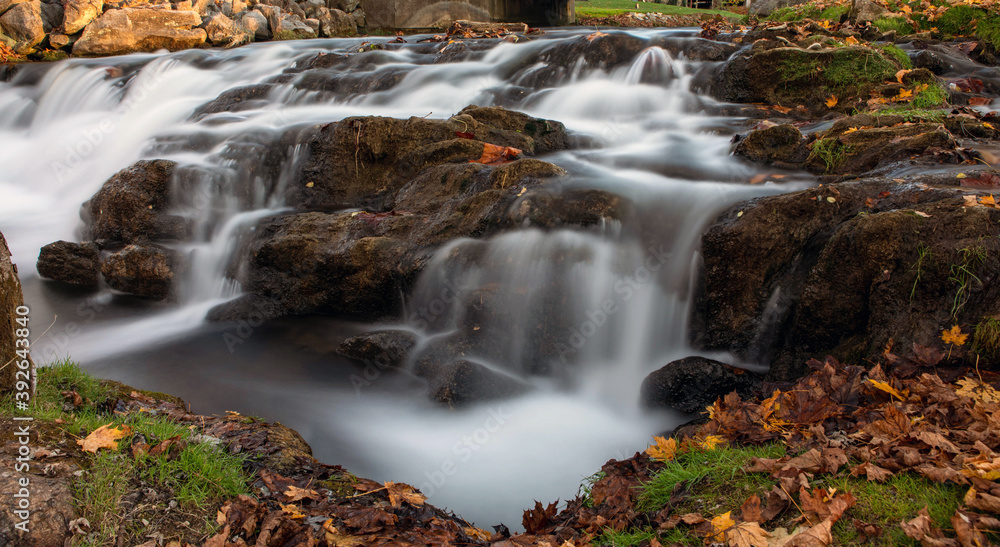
x: 73, y: 263
x: 461, y: 382
x: 386, y: 348
x: 689, y: 385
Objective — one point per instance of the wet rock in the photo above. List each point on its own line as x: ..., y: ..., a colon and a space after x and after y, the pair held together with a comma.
x: 23, y: 23
x: 249, y: 307
x: 689, y: 385
x: 7, y: 4
x: 237, y: 99
x: 11, y: 298
x: 361, y: 162
x: 464, y: 382
x: 781, y: 145
x: 385, y: 348
x: 546, y: 208
x: 131, y: 205
x: 128, y: 30
x: 142, y: 270
x: 843, y: 269
x: 51, y: 503
x: 790, y: 76
x: 60, y: 41
x: 73, y: 263
x: 334, y: 22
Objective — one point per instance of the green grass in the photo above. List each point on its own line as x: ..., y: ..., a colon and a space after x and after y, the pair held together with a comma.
x: 719, y: 472
x: 898, y: 24
x: 934, y: 95
x: 963, y: 273
x: 808, y: 11
x: 196, y: 474
x: 831, y: 152
x: 892, y: 50
x: 910, y: 114
x: 923, y: 253
x: 608, y: 8
x: 626, y: 538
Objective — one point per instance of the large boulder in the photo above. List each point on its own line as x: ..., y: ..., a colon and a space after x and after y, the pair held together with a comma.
x: 131, y: 205
x: 7, y: 4
x: 362, y: 162
x: 255, y: 24
x: 462, y: 382
x: 24, y: 24
x: 128, y: 30
x: 846, y: 269
x: 52, y: 16
x: 334, y: 22
x: 73, y: 263
x: 11, y: 298
x: 293, y: 27
x: 143, y: 270
x: 224, y: 32
x: 689, y: 385
x: 79, y: 13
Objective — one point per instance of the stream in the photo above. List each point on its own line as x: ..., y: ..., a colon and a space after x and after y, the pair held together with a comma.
x: 625, y: 287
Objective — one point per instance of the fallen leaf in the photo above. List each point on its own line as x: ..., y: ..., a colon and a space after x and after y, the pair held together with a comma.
x: 497, y: 154
x: 982, y: 501
x: 871, y: 471
x: 817, y: 536
x: 976, y: 389
x: 751, y: 510
x: 852, y: 41
x: 294, y: 493
x: 664, y: 449
x: 595, y: 35
x: 104, y: 437
x: 400, y: 492
x: 954, y: 336
x: 831, y: 101
x: 292, y: 511
x: 720, y: 524
x: 850, y: 130
x: 883, y: 386
x: 988, y: 201
x: 747, y: 534
x: 901, y: 73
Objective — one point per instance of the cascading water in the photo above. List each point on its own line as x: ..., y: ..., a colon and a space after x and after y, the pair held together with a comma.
x: 578, y: 316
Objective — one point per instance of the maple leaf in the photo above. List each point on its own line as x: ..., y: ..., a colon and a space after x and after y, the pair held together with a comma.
x: 904, y: 94
x: 535, y: 520
x: 988, y: 201
x: 664, y: 449
x: 832, y: 101
x: 104, y: 437
x: 720, y: 524
x: 817, y: 536
x: 954, y: 336
x: 852, y: 41
x: 399, y: 492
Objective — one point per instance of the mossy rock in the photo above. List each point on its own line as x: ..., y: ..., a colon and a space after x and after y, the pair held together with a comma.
x: 790, y: 76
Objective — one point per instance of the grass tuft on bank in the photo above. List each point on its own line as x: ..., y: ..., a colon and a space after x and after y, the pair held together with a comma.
x: 609, y: 8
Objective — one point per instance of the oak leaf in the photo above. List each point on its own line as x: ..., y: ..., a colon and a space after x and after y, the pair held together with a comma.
x: 104, y: 437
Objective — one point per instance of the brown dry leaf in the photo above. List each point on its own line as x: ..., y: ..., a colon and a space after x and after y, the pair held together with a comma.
x: 954, y: 336
x: 664, y: 449
x: 104, y: 437
x: 692, y: 519
x: 747, y: 534
x: 294, y: 493
x: 966, y: 532
x: 477, y: 533
x: 936, y: 440
x: 751, y: 510
x: 982, y: 501
x: 595, y: 35
x: 983, y: 467
x: 832, y: 101
x: 334, y: 536
x: 817, y: 536
x: 400, y: 492
x: 871, y: 471
x: 901, y: 73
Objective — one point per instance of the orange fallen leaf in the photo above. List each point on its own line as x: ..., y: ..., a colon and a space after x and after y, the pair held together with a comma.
x: 720, y: 524
x: 901, y: 73
x: 497, y: 154
x: 104, y: 437
x: 954, y: 336
x: 850, y: 130
x: 831, y: 101
x: 294, y: 493
x: 888, y: 389
x: 988, y: 201
x: 292, y: 511
x: 594, y: 35
x: 399, y: 492
x: 664, y: 449
x: 852, y: 41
